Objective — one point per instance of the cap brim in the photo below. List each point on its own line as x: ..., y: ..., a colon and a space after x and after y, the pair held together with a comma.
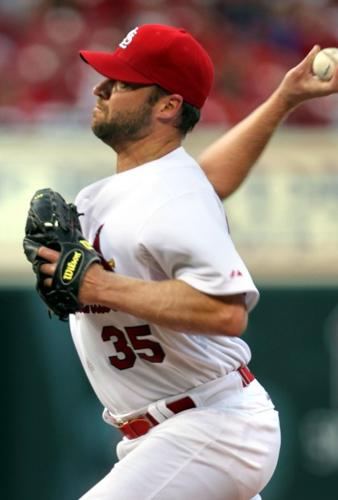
x: 111, y: 66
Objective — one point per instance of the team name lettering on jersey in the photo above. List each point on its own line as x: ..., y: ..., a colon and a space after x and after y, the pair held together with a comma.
x: 128, y: 39
x: 95, y: 309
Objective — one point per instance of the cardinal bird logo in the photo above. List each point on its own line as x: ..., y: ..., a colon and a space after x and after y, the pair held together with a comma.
x: 108, y: 265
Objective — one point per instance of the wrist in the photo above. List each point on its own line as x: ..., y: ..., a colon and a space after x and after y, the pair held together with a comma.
x: 283, y: 102
x: 92, y: 285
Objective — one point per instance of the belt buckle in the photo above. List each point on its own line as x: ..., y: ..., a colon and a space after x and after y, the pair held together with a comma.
x: 135, y: 427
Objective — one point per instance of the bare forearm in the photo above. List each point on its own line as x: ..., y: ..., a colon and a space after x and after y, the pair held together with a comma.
x: 172, y: 304
x: 228, y: 160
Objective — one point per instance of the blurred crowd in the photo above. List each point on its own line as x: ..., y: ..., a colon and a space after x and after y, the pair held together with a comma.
x: 252, y: 43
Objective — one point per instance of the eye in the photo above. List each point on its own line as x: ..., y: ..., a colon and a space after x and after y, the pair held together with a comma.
x: 126, y: 86
x: 122, y: 86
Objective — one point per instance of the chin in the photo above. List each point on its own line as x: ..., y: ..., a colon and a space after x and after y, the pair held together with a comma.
x: 96, y: 124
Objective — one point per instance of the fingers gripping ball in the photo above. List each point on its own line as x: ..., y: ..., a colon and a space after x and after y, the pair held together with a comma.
x: 325, y: 63
x: 55, y: 224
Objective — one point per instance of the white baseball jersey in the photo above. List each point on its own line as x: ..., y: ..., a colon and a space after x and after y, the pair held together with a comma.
x: 159, y: 221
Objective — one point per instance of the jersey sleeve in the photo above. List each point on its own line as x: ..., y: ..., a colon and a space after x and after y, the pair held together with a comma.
x: 188, y: 238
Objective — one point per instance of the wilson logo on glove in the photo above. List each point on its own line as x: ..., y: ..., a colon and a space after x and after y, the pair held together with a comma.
x: 71, y: 264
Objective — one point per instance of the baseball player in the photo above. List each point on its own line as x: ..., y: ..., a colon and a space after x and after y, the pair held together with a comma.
x: 159, y: 335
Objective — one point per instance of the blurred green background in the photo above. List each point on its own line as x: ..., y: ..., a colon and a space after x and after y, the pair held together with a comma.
x: 57, y: 446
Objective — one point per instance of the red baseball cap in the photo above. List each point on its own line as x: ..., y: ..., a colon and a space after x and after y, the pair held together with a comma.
x: 157, y: 54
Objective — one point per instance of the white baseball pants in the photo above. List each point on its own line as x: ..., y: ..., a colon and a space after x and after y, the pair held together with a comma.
x: 225, y: 450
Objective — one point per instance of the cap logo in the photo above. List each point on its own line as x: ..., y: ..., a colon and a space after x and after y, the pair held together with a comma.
x: 128, y: 39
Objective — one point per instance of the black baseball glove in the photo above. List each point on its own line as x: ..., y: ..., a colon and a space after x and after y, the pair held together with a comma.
x: 53, y: 223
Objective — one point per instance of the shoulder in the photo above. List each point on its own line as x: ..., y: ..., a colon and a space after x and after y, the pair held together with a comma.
x: 178, y: 173
x: 178, y: 186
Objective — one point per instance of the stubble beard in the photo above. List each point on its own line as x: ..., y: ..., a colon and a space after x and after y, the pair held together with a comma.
x: 124, y: 127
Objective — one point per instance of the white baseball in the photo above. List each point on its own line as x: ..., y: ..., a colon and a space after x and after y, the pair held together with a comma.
x: 325, y: 63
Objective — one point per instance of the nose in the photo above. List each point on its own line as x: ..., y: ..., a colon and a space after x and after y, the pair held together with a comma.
x: 103, y: 89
